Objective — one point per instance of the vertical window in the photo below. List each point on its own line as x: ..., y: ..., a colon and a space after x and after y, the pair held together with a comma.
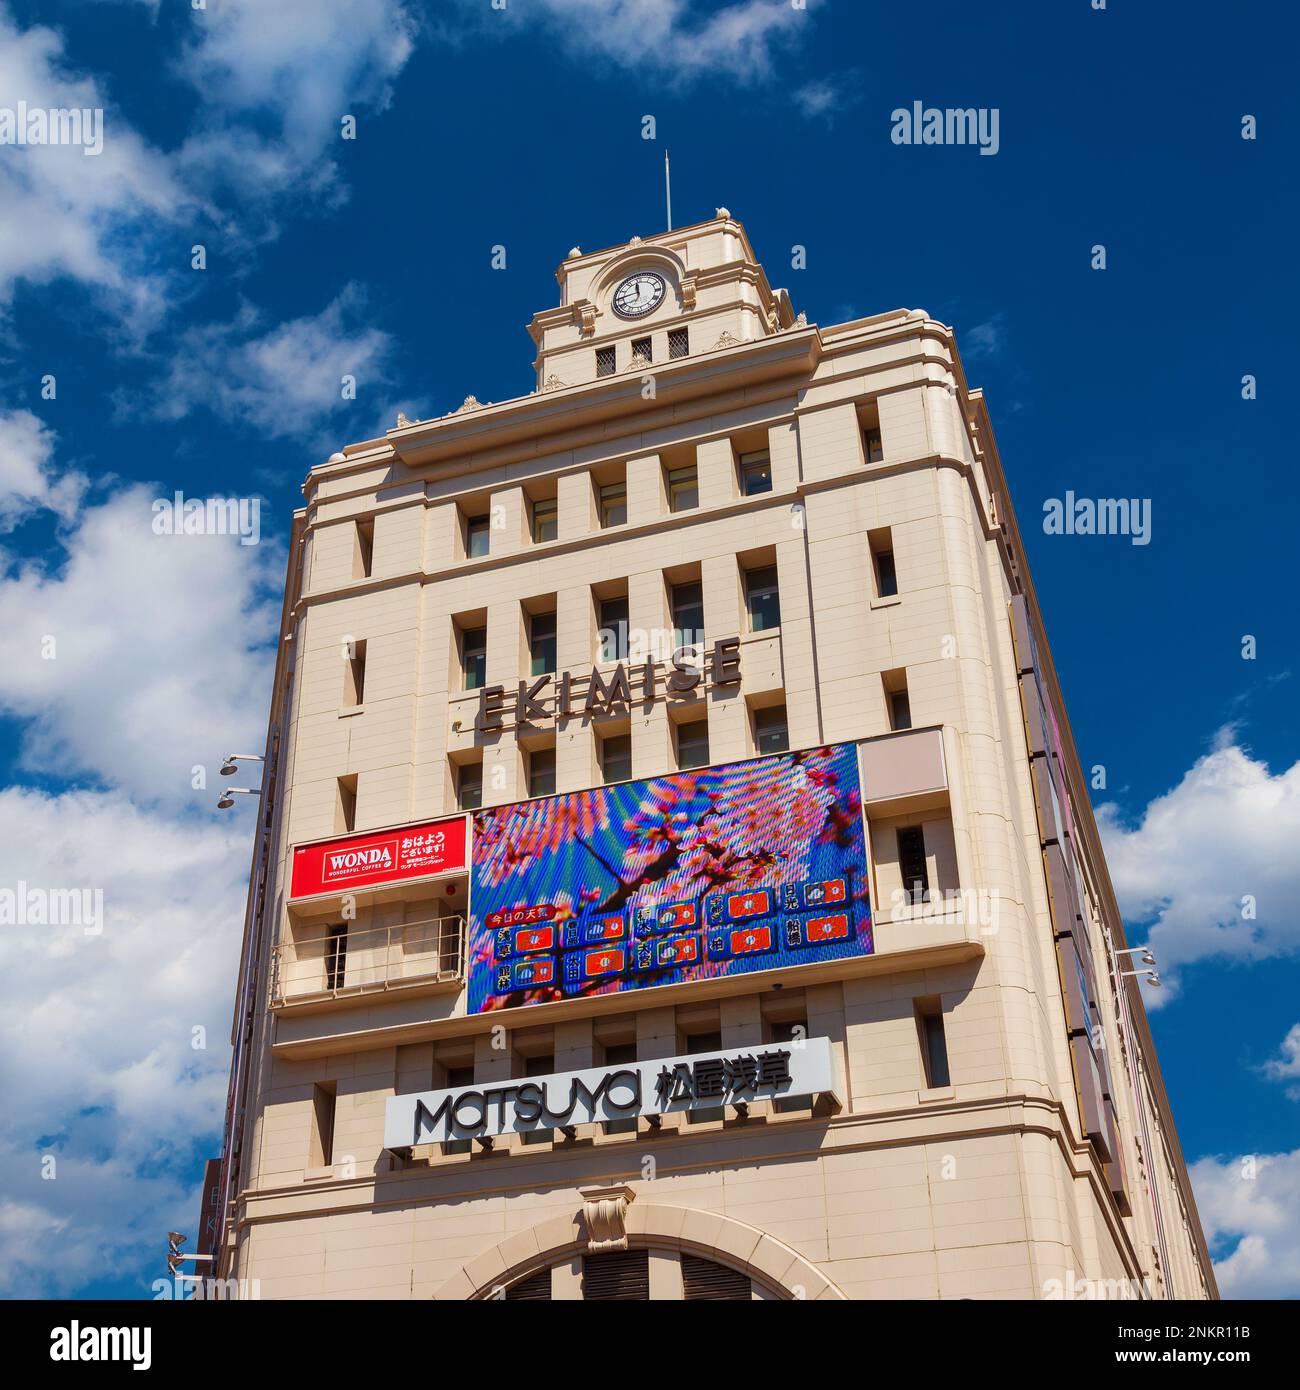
x: 613, y: 505
x: 473, y: 657
x: 771, y: 732
x: 763, y: 598
x: 354, y: 674
x: 900, y: 710
x: 616, y: 758
x: 321, y: 1151
x: 688, y: 614
x: 872, y: 446
x: 755, y: 473
x: 469, y: 786
x: 546, y: 520
x: 541, y: 772
x: 683, y: 490
x: 703, y: 1044
x: 911, y: 863
x: 478, y: 536
x: 363, y: 550
x: 621, y: 1276
x: 641, y: 348
x: 679, y: 342
x: 934, y: 1043
x: 613, y: 629
x: 692, y: 744
x: 541, y: 643
x: 620, y: 1055
x: 539, y: 1066
x: 345, y: 805
x: 336, y: 956
x: 605, y: 361
x: 792, y: 1032
x: 882, y: 562
x: 458, y: 1078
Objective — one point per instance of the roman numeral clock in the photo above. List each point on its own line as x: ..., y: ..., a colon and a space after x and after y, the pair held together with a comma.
x: 638, y: 295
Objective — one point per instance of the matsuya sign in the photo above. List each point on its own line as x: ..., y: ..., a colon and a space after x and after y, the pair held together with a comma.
x: 687, y: 670
x: 666, y: 1086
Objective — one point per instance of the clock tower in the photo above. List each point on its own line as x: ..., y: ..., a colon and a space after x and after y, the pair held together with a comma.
x: 655, y: 300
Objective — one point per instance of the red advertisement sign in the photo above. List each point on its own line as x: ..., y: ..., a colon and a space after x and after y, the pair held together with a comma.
x: 385, y: 856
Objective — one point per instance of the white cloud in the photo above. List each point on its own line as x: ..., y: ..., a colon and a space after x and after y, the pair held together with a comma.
x: 1200, y: 855
x: 63, y: 213
x: 27, y: 483
x: 1286, y: 1065
x: 1254, y: 1201
x: 285, y: 380
x: 987, y: 339
x: 160, y: 653
x: 825, y: 97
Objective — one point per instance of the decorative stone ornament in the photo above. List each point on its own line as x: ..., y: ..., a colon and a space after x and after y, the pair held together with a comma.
x: 469, y: 403
x: 553, y: 383
x: 604, y: 1213
x: 726, y: 341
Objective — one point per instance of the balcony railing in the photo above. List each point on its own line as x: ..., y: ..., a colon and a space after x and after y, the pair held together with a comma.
x: 334, y: 962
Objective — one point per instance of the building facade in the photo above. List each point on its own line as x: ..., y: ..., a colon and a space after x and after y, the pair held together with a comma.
x: 675, y: 877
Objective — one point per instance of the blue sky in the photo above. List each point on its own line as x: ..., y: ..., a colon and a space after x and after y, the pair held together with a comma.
x: 523, y: 128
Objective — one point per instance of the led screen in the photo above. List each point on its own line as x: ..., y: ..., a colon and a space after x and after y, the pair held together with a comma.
x: 724, y: 871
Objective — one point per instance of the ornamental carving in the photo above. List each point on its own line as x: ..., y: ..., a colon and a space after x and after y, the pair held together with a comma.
x: 604, y: 1213
x: 726, y: 341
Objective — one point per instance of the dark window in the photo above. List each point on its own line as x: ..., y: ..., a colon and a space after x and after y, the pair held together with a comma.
x: 764, y: 598
x: 469, y: 786
x: 539, y: 1066
x: 912, y: 865
x: 616, y: 758
x: 354, y: 680
x: 363, y: 556
x: 755, y: 473
x: 473, y: 657
x: 688, y: 614
x: 886, y: 575
x: 641, y: 348
x: 706, y: 1279
x: 613, y: 504
x: 872, y: 445
x: 621, y: 1276
x: 346, y: 817
x: 546, y: 519
x: 541, y: 772
x: 679, y: 343
x: 459, y: 1078
x: 336, y: 956
x: 605, y: 361
x: 771, y: 733
x: 322, y: 1127
x: 703, y: 1044
x: 692, y: 744
x: 613, y: 629
x: 934, y: 1047
x: 478, y: 536
x: 541, y: 642
x: 900, y: 710
x: 535, y: 1289
x: 793, y: 1031
x: 683, y: 489
x: 620, y: 1055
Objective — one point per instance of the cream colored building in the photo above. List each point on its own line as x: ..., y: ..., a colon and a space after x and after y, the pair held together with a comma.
x: 832, y: 497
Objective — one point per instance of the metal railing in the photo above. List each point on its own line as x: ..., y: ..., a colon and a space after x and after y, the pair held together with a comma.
x: 346, y: 959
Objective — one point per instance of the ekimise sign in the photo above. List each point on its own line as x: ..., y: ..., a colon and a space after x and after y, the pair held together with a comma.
x: 387, y: 856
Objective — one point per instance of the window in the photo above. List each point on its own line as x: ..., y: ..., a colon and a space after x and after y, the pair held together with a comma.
x: 771, y: 734
x: 478, y: 536
x: 692, y: 744
x: 538, y: 1066
x: 354, y: 674
x: 541, y: 772
x: 911, y: 863
x: 620, y: 1055
x: 541, y: 643
x: 613, y: 629
x: 679, y: 342
x: 616, y: 758
x: 688, y: 614
x: 473, y: 657
x: 535, y: 1289
x: 872, y: 445
x: 613, y: 505
x: 707, y: 1280
x: 755, y: 473
x: 882, y: 562
x: 704, y: 1043
x: 546, y: 520
x: 683, y: 489
x: 321, y: 1151
x: 336, y: 956
x: 459, y: 1078
x: 641, y: 348
x: 469, y: 786
x: 363, y: 550
x: 605, y: 361
x: 900, y: 710
x: 763, y: 598
x: 794, y: 1031
x: 620, y: 1276
x: 345, y: 804
x: 934, y: 1043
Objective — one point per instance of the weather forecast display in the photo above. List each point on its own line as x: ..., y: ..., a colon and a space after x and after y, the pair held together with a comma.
x: 750, y: 866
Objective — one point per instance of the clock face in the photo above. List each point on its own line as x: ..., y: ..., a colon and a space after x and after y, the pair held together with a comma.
x: 638, y: 294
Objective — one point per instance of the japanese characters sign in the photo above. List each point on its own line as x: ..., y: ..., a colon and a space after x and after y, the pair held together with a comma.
x: 360, y: 861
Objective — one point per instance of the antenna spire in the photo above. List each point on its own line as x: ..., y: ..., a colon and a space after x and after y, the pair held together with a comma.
x: 668, y: 190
